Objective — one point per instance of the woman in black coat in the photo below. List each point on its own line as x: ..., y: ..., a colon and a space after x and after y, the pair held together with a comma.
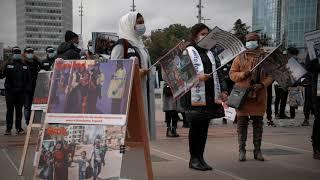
x: 204, y: 101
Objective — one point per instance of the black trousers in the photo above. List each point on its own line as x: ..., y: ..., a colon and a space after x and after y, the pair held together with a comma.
x: 316, y: 126
x: 15, y: 102
x: 27, y: 107
x: 172, y: 118
x: 269, y: 102
x: 198, y: 134
x: 307, y: 107
x: 281, y: 98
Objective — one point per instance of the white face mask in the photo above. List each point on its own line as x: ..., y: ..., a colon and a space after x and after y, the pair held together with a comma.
x: 252, y: 44
x: 29, y: 56
x: 200, y: 38
x: 140, y: 29
x: 51, y: 55
x: 90, y: 48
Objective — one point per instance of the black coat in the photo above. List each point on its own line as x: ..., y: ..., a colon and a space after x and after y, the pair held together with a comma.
x: 18, y: 77
x: 313, y: 67
x: 68, y: 51
x: 211, y: 110
x: 35, y: 67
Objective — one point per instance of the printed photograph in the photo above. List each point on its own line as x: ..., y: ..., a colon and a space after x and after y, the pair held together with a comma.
x: 41, y: 93
x: 79, y: 152
x: 90, y: 88
x: 103, y: 42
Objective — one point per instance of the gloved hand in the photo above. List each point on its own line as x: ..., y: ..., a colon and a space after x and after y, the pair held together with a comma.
x: 246, y: 75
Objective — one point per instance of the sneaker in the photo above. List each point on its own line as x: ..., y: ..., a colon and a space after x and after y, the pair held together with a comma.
x: 8, y: 133
x: 271, y: 123
x: 20, y: 132
x: 316, y: 155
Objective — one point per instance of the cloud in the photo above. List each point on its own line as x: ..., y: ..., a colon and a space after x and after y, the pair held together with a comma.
x: 103, y: 15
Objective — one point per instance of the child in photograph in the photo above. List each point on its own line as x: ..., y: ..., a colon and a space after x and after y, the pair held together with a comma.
x: 98, y: 154
x: 83, y: 163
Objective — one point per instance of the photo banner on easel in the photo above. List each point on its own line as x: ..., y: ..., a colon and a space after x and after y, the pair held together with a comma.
x: 90, y: 92
x: 81, y: 152
x: 178, y: 70
x: 40, y: 98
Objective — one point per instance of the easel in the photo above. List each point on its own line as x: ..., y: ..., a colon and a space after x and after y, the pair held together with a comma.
x: 26, y: 142
x: 136, y: 127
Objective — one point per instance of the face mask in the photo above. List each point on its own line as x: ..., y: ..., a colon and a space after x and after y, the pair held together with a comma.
x: 29, y: 56
x: 16, y: 56
x: 200, y: 38
x: 90, y: 48
x: 51, y: 55
x: 140, y: 29
x: 76, y: 45
x: 252, y: 44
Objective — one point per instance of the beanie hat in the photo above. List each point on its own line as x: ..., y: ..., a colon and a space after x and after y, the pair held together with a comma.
x: 70, y: 35
x: 253, y: 36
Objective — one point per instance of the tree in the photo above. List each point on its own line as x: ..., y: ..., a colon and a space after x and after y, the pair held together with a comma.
x: 240, y: 30
x: 162, y: 40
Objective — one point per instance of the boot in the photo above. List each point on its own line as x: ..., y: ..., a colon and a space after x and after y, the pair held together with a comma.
x: 224, y: 121
x: 174, y: 132
x: 169, y: 132
x: 257, y: 137
x: 271, y: 123
x: 305, y: 122
x: 195, y: 163
x: 242, y: 138
x: 316, y: 155
x: 204, y: 164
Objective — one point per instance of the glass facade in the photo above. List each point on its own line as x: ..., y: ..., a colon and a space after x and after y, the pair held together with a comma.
x: 285, y: 21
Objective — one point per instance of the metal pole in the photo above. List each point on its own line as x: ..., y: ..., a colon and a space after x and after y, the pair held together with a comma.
x: 199, y: 12
x: 81, y: 14
x: 133, y: 6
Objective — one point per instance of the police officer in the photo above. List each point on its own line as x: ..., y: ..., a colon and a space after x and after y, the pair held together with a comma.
x: 17, y: 83
x: 47, y: 63
x: 35, y: 66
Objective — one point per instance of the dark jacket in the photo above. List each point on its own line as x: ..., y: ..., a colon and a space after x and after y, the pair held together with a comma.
x: 211, y: 110
x: 68, y: 51
x: 18, y: 77
x: 313, y: 67
x: 47, y: 63
x: 35, y: 67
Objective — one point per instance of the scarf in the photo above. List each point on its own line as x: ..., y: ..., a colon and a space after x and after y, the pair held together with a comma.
x: 198, y: 92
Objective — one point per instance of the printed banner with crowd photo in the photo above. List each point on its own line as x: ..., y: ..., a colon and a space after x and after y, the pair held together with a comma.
x: 81, y: 152
x: 90, y: 92
x: 40, y: 98
x: 313, y: 44
x: 102, y: 42
x: 178, y: 70
x: 285, y: 72
x: 229, y: 45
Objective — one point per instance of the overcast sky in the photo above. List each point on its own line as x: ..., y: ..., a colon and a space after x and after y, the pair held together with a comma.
x: 103, y: 15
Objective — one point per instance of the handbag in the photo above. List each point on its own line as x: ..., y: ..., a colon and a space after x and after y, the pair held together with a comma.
x: 237, y: 96
x: 89, y: 171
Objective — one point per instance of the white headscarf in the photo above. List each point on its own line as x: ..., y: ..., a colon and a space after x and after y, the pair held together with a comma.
x: 126, y: 29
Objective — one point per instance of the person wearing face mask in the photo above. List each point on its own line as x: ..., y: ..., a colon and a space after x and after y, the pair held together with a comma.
x: 17, y: 84
x: 47, y: 63
x: 89, y: 53
x: 130, y: 46
x: 34, y: 65
x: 254, y: 105
x: 203, y: 102
x: 69, y: 50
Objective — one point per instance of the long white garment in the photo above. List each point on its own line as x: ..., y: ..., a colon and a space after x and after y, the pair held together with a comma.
x: 198, y: 96
x: 126, y: 31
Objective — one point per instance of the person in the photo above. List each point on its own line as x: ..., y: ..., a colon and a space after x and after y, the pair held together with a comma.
x: 69, y: 49
x: 203, y: 102
x: 48, y: 63
x: 130, y: 45
x: 281, y: 99
x: 61, y: 161
x: 169, y: 107
x: 313, y: 66
x: 254, y: 105
x: 17, y: 85
x: 83, y: 164
x: 269, y: 107
x: 34, y: 65
x: 307, y: 106
x: 98, y: 155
